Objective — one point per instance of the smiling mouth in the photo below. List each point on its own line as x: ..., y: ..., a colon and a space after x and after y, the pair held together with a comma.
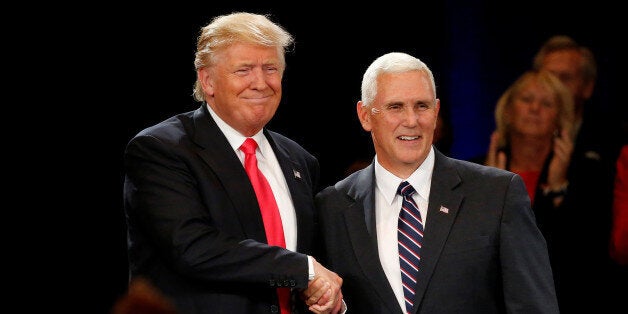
x: 407, y: 138
x: 257, y: 98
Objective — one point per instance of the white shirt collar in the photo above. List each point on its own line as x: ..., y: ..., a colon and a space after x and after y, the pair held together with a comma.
x: 420, y: 179
x: 234, y: 137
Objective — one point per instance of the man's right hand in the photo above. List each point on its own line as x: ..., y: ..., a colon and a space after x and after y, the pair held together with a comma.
x: 323, y: 294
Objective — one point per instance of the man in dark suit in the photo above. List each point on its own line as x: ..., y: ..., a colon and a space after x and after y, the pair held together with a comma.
x: 195, y: 230
x: 478, y: 249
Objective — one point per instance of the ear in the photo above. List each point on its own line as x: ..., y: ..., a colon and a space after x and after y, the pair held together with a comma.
x: 364, y: 114
x: 205, y: 78
x: 587, y: 91
x: 436, y: 111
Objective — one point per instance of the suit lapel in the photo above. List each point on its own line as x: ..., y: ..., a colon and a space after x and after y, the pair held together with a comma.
x: 300, y: 190
x: 218, y: 154
x: 360, y: 223
x: 443, y: 207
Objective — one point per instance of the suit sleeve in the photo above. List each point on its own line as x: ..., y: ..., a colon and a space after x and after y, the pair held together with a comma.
x: 166, y: 208
x: 527, y: 275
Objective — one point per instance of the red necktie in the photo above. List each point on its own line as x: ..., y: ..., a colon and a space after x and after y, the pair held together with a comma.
x: 269, y: 209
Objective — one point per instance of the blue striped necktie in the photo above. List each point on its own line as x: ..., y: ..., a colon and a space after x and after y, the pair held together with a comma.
x: 410, y: 239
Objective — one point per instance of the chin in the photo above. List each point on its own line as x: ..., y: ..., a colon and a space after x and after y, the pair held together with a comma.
x: 415, y: 157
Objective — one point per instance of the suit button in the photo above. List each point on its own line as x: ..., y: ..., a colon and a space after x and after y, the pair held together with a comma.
x: 274, y: 309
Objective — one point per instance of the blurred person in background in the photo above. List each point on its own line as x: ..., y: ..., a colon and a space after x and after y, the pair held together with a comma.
x: 619, y: 236
x: 590, y: 279
x: 534, y: 138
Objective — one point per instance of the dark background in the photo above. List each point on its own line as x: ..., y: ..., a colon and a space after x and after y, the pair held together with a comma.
x: 140, y: 65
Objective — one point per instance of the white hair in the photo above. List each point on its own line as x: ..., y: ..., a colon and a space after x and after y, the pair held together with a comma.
x: 393, y: 62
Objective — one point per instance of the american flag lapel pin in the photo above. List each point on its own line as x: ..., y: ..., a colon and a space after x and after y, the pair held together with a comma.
x: 444, y: 209
x: 296, y: 173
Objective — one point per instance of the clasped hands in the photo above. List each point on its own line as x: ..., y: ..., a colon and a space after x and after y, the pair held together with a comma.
x: 557, y: 173
x: 323, y: 294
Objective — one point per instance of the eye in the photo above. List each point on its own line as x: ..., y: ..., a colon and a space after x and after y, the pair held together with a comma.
x: 271, y: 69
x: 547, y: 104
x: 394, y: 107
x: 242, y: 71
x: 526, y: 98
x: 566, y: 77
x: 422, y: 106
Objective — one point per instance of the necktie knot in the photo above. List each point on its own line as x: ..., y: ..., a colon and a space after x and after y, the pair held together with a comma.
x: 405, y: 189
x: 249, y: 146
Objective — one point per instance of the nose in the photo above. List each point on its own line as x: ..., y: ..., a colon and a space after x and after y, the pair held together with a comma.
x: 258, y: 79
x: 535, y: 105
x: 410, y: 115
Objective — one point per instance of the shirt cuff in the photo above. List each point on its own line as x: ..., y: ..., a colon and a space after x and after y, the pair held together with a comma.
x: 310, y: 268
x: 344, y: 309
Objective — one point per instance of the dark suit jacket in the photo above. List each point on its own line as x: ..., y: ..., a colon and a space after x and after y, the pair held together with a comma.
x: 194, y: 226
x: 483, y: 254
x: 584, y: 220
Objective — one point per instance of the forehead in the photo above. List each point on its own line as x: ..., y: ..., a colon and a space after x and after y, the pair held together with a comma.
x: 249, y: 54
x: 562, y: 60
x: 415, y: 84
x: 533, y: 86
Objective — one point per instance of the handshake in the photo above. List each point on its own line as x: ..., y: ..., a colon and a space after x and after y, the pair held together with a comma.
x: 323, y: 294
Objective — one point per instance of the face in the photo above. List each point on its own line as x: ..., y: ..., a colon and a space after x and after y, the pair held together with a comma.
x: 402, y: 120
x: 243, y: 86
x: 566, y: 64
x: 534, y: 112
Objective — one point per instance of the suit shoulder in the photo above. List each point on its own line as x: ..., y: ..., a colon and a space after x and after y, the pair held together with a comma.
x: 352, y: 185
x: 341, y: 186
x: 173, y: 131
x: 473, y: 169
x: 331, y: 195
x: 473, y: 177
x: 166, y: 127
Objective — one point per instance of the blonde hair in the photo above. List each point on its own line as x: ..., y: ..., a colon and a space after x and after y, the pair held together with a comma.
x: 238, y: 27
x: 547, y: 80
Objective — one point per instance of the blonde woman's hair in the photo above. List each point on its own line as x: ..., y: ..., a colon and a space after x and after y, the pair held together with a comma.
x: 547, y: 80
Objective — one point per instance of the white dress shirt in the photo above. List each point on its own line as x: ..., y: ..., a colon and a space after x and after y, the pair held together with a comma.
x: 387, y: 208
x: 269, y: 166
